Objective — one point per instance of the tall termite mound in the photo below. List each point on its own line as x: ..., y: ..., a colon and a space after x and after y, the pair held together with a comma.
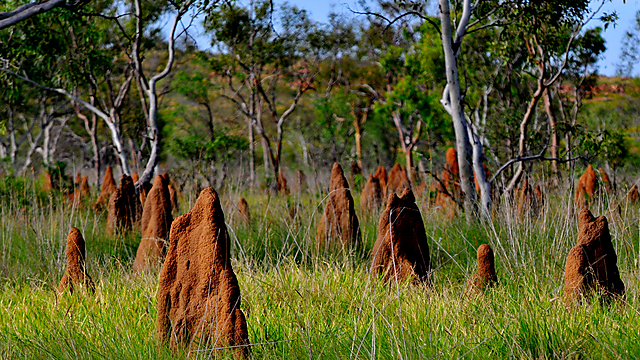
x: 283, y: 187
x: 486, y: 275
x: 243, y: 211
x: 397, y: 181
x: 381, y: 176
x: 339, y: 224
x: 301, y: 180
x: 592, y: 263
x: 81, y: 190
x: 108, y: 187
x: 85, y: 190
x: 48, y: 183
x: 198, y: 294
x: 401, y: 250
x: 173, y: 193
x: 633, y: 195
x: 156, y: 223
x: 124, y: 207
x: 606, y: 181
x: 530, y: 200
x: 587, y: 186
x: 371, y: 196
x: 449, y: 187
x: 75, y: 274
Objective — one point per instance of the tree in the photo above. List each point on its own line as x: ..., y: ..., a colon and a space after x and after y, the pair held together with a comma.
x: 25, y: 11
x: 259, y: 66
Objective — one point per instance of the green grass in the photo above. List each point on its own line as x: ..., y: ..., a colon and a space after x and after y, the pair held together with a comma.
x: 302, y: 304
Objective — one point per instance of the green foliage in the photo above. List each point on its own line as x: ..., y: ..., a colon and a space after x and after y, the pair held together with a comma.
x: 195, y: 147
x: 611, y: 146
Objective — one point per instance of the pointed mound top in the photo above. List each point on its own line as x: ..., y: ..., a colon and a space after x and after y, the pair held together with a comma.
x: 381, y: 173
x: 406, y: 199
x: 484, y: 252
x: 108, y: 183
x: 74, y: 240
x: 207, y: 205
x: 338, y: 181
x: 591, y: 227
x: 75, y: 250
x: 135, y: 177
x: 161, y: 181
x: 126, y: 181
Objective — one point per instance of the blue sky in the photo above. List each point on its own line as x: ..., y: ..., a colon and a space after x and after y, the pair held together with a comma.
x: 319, y: 9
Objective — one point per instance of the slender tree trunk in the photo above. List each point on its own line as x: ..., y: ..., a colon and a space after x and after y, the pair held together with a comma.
x: 524, y: 124
x: 554, y: 130
x: 481, y: 176
x: 357, y: 122
x: 454, y: 105
x: 252, y: 155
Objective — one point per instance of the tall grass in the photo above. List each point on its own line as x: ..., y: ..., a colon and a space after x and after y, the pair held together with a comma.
x: 304, y: 304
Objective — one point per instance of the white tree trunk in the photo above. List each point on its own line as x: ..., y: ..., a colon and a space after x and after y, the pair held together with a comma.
x: 453, y: 103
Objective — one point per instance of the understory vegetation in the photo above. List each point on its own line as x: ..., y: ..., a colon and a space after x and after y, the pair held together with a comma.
x: 303, y: 304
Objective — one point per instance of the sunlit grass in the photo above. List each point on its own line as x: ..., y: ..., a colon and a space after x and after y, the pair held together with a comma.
x: 304, y: 304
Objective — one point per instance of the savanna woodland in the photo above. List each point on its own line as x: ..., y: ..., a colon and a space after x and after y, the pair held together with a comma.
x: 238, y: 179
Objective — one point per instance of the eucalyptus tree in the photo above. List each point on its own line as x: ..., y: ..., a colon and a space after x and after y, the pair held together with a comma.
x: 103, y: 52
x: 265, y: 71
x: 21, y: 12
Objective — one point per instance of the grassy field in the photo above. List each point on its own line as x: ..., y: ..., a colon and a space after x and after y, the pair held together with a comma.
x: 302, y: 304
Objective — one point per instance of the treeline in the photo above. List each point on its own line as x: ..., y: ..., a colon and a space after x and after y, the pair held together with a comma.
x: 510, y: 83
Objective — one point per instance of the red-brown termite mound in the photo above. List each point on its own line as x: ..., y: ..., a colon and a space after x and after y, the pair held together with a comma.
x: 371, y: 197
x: 633, y: 195
x: 301, y: 180
x: 108, y: 187
x: 283, y: 187
x: 606, y: 181
x: 198, y: 294
x: 75, y: 275
x: 48, y: 183
x: 124, y: 207
x: 381, y: 175
x: 592, y: 263
x: 243, y: 211
x: 339, y: 226
x: 397, y: 181
x: 486, y: 275
x: 401, y: 250
x: 587, y: 186
x: 156, y: 223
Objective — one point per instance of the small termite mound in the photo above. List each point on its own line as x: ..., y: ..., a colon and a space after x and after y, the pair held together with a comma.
x: 401, y: 250
x: 486, y: 275
x: 75, y: 275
